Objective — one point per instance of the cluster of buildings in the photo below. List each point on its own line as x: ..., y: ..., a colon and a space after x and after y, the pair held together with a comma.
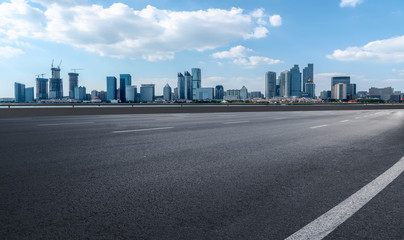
x: 289, y: 87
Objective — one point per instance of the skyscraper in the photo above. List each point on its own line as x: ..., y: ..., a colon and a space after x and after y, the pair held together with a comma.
x: 19, y: 92
x: 341, y: 79
x: 188, y: 85
x: 308, y: 73
x: 181, y: 86
x: 29, y: 94
x: 130, y: 93
x: 167, y: 92
x: 80, y: 93
x: 284, y: 84
x: 146, y: 92
x: 73, y: 82
x: 243, y: 93
x: 111, y: 88
x: 41, y: 88
x: 55, y: 84
x: 295, y: 81
x: 196, y: 81
x: 270, y: 85
x: 339, y: 91
x: 124, y: 80
x: 219, y: 92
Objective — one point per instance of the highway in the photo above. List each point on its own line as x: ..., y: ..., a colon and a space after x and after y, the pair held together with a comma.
x: 236, y: 175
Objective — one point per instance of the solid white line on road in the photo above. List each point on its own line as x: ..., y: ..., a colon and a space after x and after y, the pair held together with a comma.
x: 58, y: 124
x: 142, y: 130
x: 319, y: 126
x: 329, y: 221
x: 235, y: 122
x: 344, y: 121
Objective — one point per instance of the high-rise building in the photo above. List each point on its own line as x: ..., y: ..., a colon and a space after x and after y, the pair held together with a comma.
x: 339, y: 91
x: 204, y: 93
x: 308, y: 73
x: 124, y: 80
x: 73, y: 82
x: 19, y: 92
x: 111, y: 88
x: 146, y: 92
x: 270, y: 85
x: 232, y: 94
x: 295, y: 81
x: 55, y: 84
x: 243, y: 93
x: 181, y: 86
x: 94, y: 94
x: 41, y: 88
x: 175, y: 96
x: 167, y: 92
x: 188, y: 85
x: 130, y: 93
x: 255, y: 94
x: 341, y: 79
x: 284, y: 84
x: 219, y: 92
x: 384, y: 93
x: 102, y: 95
x: 29, y: 94
x: 352, y: 90
x: 196, y: 81
x: 310, y: 89
x: 80, y: 93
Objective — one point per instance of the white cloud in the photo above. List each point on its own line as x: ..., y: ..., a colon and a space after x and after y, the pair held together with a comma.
x: 398, y: 71
x: 275, y: 20
x: 9, y: 52
x: 234, y: 52
x: 388, y: 50
x: 253, y: 61
x: 393, y: 80
x: 350, y: 3
x: 239, y: 54
x: 121, y: 31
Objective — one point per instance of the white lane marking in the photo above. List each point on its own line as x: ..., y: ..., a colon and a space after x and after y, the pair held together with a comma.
x: 329, y: 221
x: 344, y: 121
x: 142, y: 130
x: 320, y: 126
x: 236, y: 122
x: 57, y: 124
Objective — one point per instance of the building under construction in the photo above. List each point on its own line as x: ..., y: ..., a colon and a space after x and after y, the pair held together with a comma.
x: 55, y: 83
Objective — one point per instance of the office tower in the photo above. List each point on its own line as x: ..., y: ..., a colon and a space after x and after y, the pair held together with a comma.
x: 352, y: 89
x: 339, y: 91
x: 80, y: 93
x: 124, y: 80
x: 146, y: 92
x: 181, y: 86
x: 130, y: 93
x: 204, y: 93
x: 94, y: 94
x: 255, y: 94
x: 219, y: 92
x: 243, y: 93
x: 310, y: 89
x: 19, y: 92
x: 41, y: 88
x: 308, y: 73
x: 102, y: 95
x: 29, y: 94
x: 175, y: 96
x: 55, y: 84
x: 73, y: 82
x: 188, y: 85
x: 196, y: 81
x: 295, y: 81
x: 270, y: 85
x: 382, y: 93
x: 284, y: 84
x: 232, y: 94
x: 341, y: 79
x: 111, y: 88
x: 167, y: 92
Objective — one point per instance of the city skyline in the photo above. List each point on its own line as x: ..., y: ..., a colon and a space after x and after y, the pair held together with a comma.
x: 270, y: 36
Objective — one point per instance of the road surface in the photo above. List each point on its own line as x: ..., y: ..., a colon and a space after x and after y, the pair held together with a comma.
x: 251, y: 175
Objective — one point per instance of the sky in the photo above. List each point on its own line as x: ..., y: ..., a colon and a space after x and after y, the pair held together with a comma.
x: 233, y: 42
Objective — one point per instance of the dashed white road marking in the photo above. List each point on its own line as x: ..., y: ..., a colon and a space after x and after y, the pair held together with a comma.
x: 142, y: 130
x: 320, y: 126
x: 66, y: 123
x: 236, y: 122
x: 344, y: 121
x: 329, y: 221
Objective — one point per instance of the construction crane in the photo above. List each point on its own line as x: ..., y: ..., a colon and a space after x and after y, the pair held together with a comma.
x: 41, y: 74
x: 60, y: 64
x: 76, y: 69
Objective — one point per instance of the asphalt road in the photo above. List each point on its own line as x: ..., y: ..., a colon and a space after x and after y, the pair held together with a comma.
x: 252, y: 175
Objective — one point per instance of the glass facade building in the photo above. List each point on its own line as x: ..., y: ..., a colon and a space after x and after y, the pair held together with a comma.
x: 219, y: 92
x: 270, y: 85
x: 19, y: 92
x: 73, y: 83
x: 188, y: 85
x: 41, y: 88
x: 181, y: 86
x: 308, y: 73
x: 131, y: 93
x: 341, y: 79
x: 295, y: 82
x: 147, y: 93
x: 204, y: 93
x: 29, y: 94
x: 196, y: 81
x: 124, y: 80
x: 167, y: 92
x: 111, y: 88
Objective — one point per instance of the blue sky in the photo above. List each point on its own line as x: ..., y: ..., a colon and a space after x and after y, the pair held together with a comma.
x: 233, y: 42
